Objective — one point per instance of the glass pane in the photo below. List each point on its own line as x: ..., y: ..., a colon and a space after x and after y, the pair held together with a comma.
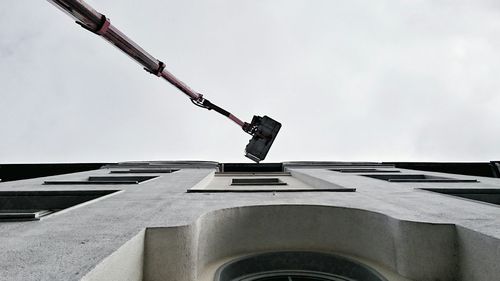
x: 274, y: 278
x: 295, y: 277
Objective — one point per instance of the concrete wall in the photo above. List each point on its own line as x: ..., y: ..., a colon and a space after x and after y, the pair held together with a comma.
x: 394, y: 227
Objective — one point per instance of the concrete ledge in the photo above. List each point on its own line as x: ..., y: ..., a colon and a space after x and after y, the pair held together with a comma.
x: 316, y: 182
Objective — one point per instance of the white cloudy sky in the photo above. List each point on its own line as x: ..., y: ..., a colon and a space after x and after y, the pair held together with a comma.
x: 413, y: 80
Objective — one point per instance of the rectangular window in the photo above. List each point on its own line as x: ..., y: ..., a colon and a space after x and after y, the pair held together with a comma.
x: 335, y: 165
x: 487, y: 195
x: 144, y: 171
x: 257, y: 181
x: 32, y: 205
x: 250, y: 167
x: 415, y: 178
x: 105, y: 180
x: 23, y: 215
x: 253, y: 174
x: 363, y: 170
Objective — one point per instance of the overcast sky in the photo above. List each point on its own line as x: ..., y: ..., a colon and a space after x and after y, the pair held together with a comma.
x: 349, y: 80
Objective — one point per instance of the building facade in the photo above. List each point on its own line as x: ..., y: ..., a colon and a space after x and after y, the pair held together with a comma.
x: 208, y: 221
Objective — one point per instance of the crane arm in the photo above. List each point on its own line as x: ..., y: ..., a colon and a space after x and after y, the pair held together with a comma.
x: 263, y: 129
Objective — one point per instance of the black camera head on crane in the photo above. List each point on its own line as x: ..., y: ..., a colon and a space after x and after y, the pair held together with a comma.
x: 264, y: 130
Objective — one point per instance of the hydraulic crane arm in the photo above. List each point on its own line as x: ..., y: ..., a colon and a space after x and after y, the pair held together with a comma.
x: 263, y: 129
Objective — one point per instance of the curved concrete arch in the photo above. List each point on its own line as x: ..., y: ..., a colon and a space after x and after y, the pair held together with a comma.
x: 415, y: 250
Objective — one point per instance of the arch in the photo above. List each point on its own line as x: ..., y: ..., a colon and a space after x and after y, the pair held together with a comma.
x: 303, y: 264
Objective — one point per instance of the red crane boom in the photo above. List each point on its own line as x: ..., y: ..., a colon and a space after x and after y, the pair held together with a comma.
x: 263, y: 129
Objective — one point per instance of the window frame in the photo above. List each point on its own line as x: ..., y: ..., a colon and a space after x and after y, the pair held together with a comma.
x: 327, y: 264
x: 103, y: 180
x: 258, y: 181
x: 416, y: 178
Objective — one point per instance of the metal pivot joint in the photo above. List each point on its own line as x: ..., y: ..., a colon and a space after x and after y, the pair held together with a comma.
x: 263, y: 129
x: 100, y: 29
x: 157, y: 72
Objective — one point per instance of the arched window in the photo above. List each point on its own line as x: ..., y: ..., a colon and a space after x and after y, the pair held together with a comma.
x: 296, y: 266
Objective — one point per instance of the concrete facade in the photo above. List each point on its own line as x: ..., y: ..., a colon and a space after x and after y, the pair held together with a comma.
x: 159, y: 230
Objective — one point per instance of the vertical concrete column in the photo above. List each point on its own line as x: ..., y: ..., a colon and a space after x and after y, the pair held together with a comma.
x: 425, y: 251
x: 478, y: 255
x: 125, y: 264
x: 170, y: 254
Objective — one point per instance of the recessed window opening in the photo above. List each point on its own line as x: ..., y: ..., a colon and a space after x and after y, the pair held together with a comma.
x: 486, y: 195
x: 105, y: 180
x: 144, y: 171
x: 257, y: 181
x: 252, y: 174
x: 415, y: 178
x: 33, y: 205
x: 495, y: 167
x: 296, y: 266
x: 24, y: 214
x: 251, y: 167
x: 293, y: 275
x: 363, y: 170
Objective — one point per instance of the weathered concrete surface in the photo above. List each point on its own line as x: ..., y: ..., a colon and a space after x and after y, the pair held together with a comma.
x: 68, y: 245
x: 359, y: 233
x: 171, y: 253
x: 125, y: 264
x: 297, y: 182
x: 479, y: 255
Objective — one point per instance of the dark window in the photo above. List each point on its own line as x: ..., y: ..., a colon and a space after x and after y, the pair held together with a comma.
x: 144, y: 171
x: 105, y: 180
x: 295, y: 266
x: 487, y: 195
x: 32, y: 205
x: 328, y: 165
x: 250, y: 167
x: 252, y: 174
x: 291, y: 275
x: 478, y: 169
x: 257, y: 181
x: 495, y: 168
x: 363, y: 170
x: 415, y: 178
x: 12, y: 172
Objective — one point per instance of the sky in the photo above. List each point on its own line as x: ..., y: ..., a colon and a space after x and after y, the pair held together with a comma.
x: 350, y: 80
